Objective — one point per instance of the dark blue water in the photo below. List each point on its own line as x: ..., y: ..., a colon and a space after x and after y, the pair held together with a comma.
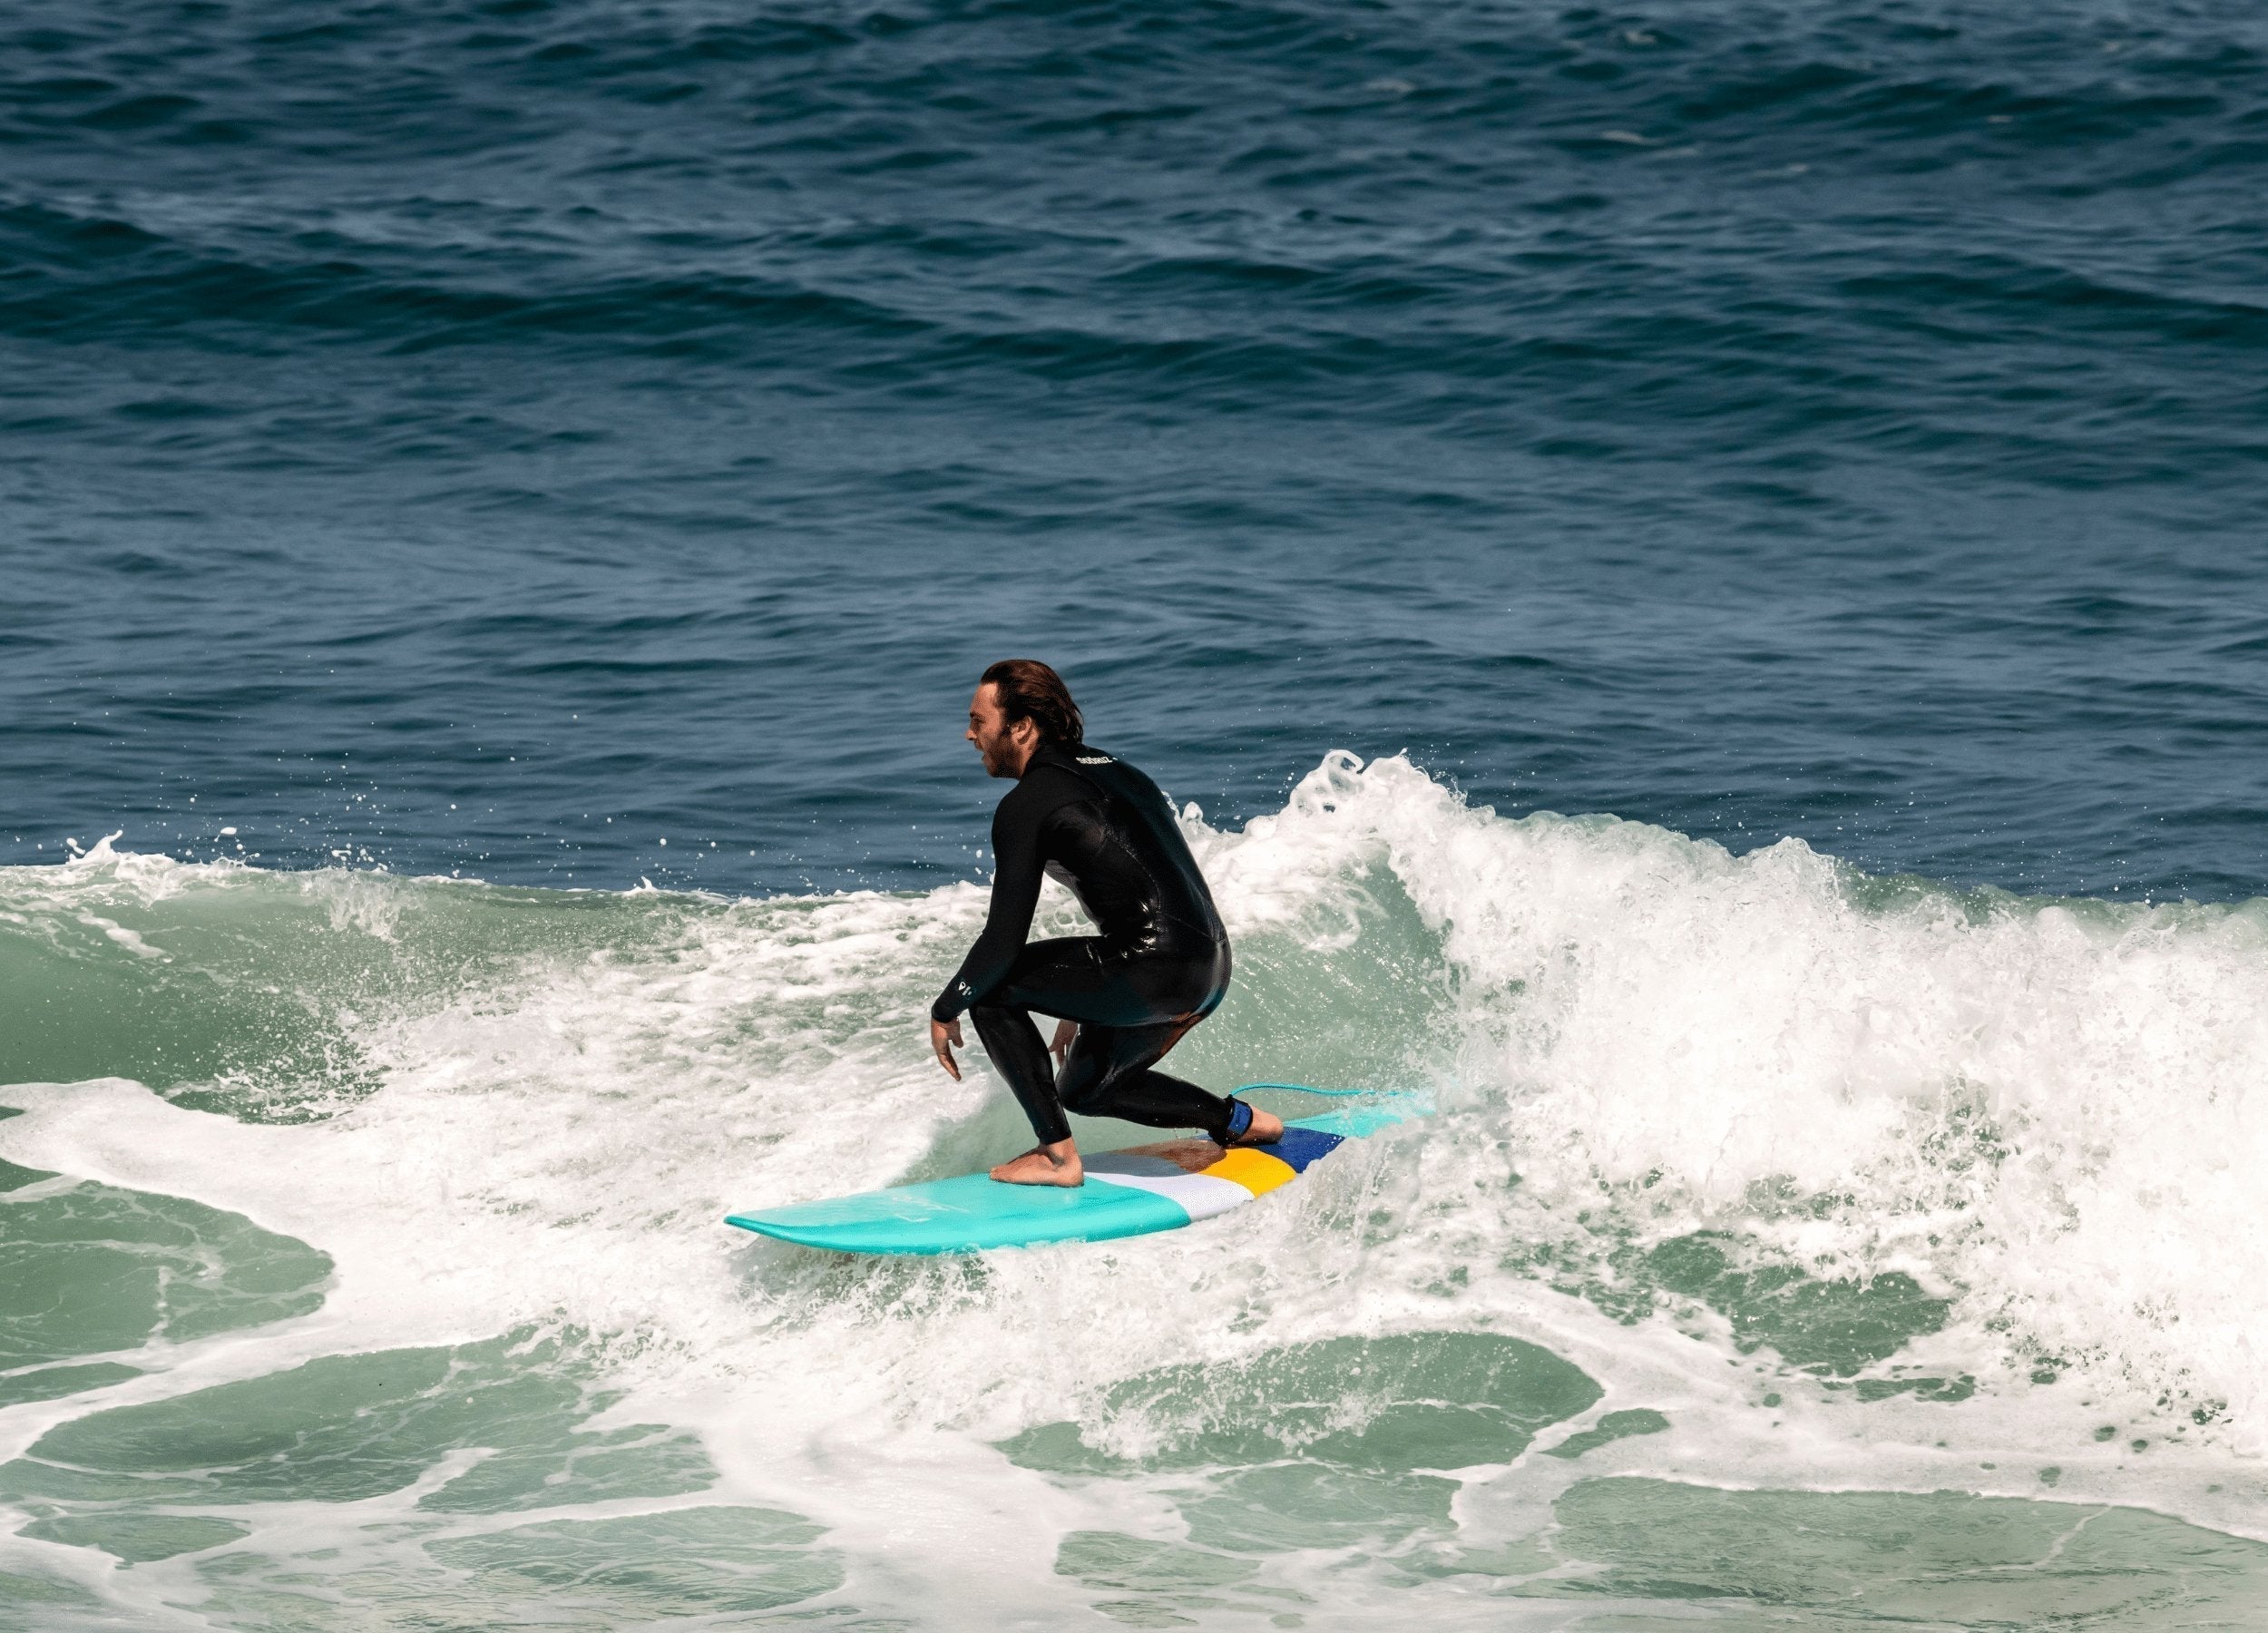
x: 502, y: 438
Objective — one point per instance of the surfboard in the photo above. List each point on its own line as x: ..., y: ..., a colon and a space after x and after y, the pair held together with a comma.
x: 1127, y: 1193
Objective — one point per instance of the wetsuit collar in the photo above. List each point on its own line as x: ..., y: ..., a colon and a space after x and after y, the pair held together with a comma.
x: 1070, y: 757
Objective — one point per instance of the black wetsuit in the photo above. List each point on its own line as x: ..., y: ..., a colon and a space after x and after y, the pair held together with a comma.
x: 1158, y: 966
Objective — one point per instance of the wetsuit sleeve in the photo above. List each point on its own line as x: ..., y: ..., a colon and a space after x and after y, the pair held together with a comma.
x: 1018, y: 868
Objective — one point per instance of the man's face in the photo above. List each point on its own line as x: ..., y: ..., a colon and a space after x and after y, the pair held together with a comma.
x: 1005, y: 748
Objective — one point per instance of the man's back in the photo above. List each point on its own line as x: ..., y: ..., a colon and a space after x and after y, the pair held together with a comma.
x: 1103, y: 829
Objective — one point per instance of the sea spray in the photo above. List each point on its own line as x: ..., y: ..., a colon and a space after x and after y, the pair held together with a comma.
x: 2051, y: 1106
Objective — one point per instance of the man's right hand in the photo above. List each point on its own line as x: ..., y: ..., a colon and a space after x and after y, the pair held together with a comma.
x: 1065, y: 1032
x: 944, y: 1036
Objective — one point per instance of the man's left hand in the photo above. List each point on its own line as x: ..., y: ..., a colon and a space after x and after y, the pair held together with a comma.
x: 944, y: 1036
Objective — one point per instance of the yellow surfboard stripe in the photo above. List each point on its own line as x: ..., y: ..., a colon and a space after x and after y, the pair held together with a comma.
x: 1256, y: 1171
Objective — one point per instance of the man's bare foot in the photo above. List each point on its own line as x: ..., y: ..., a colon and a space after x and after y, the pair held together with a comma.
x: 1056, y: 1164
x: 1266, y: 1128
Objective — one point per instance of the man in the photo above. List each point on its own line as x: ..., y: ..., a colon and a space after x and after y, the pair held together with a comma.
x: 1123, y: 997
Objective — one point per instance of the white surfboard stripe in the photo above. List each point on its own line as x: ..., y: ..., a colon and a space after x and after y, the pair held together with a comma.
x: 1200, y: 1196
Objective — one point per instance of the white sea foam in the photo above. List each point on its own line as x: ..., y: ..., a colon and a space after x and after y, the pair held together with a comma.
x: 2046, y: 1113
x: 2055, y: 1108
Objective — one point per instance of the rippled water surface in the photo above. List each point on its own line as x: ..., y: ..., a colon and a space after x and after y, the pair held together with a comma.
x: 436, y: 431
x: 568, y: 445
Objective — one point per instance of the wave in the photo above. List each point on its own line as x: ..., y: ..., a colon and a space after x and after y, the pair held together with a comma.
x: 1912, y: 1142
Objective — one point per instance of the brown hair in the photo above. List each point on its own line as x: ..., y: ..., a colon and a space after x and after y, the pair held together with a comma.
x: 1029, y: 690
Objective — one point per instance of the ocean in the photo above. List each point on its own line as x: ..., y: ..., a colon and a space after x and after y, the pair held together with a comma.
x: 1696, y: 573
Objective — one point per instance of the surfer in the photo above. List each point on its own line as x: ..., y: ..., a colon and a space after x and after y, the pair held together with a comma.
x: 1122, y: 998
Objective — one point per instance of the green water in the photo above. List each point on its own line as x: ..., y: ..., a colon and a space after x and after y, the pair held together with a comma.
x: 336, y: 1494
x: 90, y: 1270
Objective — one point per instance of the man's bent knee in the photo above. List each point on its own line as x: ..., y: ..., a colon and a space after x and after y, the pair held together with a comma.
x: 1084, y: 1095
